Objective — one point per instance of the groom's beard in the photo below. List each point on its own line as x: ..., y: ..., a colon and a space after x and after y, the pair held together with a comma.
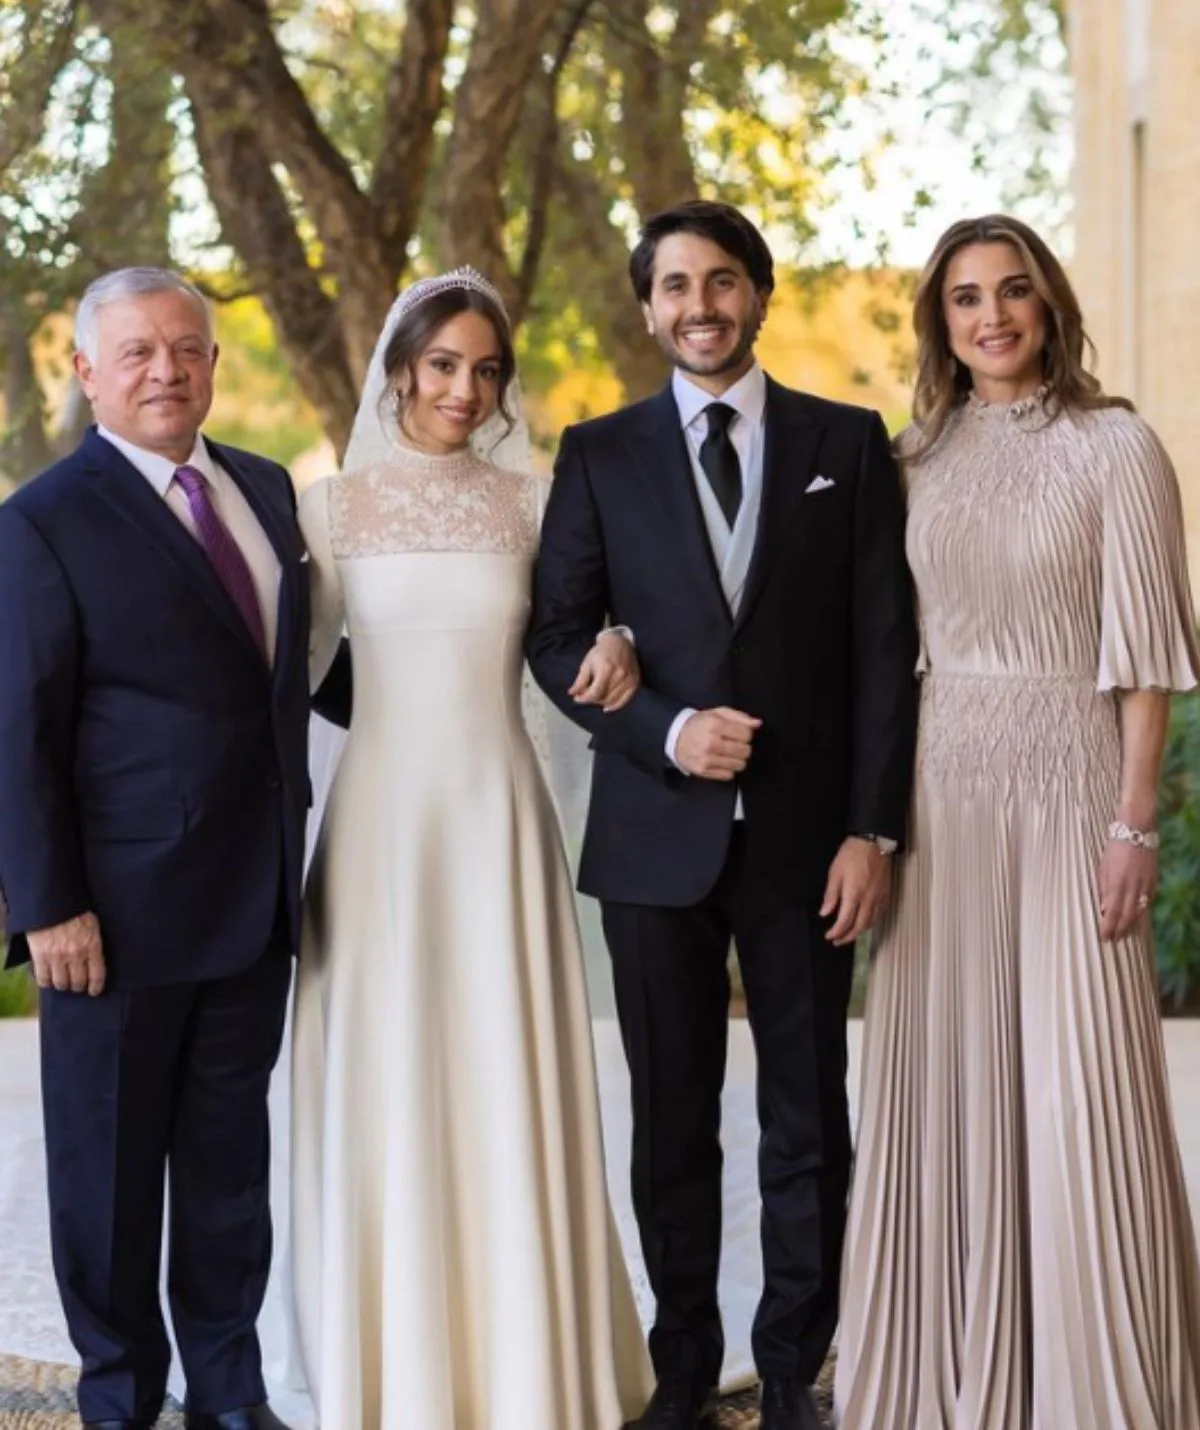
x: 719, y: 362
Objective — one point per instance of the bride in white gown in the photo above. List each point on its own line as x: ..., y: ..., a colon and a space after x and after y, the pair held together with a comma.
x: 454, y: 1258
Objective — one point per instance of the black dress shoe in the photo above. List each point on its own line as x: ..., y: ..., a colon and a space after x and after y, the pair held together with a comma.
x: 678, y: 1403
x: 249, y: 1417
x: 787, y: 1406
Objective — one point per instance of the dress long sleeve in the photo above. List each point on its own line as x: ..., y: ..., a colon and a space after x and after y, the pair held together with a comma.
x: 325, y: 585
x: 1147, y: 632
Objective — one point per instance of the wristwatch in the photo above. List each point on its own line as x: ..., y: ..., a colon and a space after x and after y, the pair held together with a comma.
x: 881, y: 842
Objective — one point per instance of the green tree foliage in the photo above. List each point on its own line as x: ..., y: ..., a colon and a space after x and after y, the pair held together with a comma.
x: 1177, y: 907
x: 344, y: 147
x: 18, y: 993
x: 315, y: 153
x: 1003, y: 78
x: 85, y: 166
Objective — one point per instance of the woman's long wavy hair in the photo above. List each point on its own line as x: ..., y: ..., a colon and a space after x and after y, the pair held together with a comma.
x: 943, y: 383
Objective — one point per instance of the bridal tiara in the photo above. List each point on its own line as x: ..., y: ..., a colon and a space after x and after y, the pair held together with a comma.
x: 425, y: 288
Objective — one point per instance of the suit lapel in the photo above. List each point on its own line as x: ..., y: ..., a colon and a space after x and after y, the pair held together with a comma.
x: 124, y: 488
x: 660, y: 446
x: 791, y: 440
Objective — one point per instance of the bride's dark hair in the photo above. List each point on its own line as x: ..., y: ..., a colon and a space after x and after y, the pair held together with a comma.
x: 420, y: 325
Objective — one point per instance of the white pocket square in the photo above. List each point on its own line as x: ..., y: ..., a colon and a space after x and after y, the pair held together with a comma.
x: 818, y: 484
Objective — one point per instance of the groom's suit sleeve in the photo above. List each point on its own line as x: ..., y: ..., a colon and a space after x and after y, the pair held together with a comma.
x: 884, y: 654
x: 41, y: 864
x: 570, y: 605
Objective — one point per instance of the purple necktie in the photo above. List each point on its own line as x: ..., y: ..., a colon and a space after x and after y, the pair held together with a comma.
x: 221, y: 549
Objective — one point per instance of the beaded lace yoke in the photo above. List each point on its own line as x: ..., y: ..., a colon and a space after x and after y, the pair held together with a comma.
x: 418, y: 502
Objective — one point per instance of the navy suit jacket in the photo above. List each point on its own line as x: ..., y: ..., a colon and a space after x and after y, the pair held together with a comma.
x: 822, y: 649
x: 153, y: 769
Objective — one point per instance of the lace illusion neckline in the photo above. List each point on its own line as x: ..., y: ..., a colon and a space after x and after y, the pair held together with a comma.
x: 462, y: 460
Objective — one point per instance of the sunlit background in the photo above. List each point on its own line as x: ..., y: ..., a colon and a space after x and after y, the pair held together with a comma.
x: 854, y: 132
x: 304, y: 159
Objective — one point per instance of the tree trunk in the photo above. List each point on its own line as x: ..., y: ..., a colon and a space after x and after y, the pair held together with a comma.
x: 25, y: 450
x: 125, y: 207
x: 654, y: 99
x: 507, y: 45
x: 257, y: 220
x: 233, y: 69
x: 73, y: 419
x: 592, y: 247
x: 540, y: 133
x: 412, y: 104
x: 238, y: 36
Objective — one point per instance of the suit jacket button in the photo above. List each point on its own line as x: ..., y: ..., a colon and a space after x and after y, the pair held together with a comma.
x: 274, y: 782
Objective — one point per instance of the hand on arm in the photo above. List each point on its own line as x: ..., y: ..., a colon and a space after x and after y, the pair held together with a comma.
x: 571, y: 602
x: 1128, y: 874
x: 70, y: 956
x: 609, y: 675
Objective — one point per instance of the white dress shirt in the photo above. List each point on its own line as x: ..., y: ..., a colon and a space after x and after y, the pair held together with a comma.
x: 732, y: 549
x: 229, y: 504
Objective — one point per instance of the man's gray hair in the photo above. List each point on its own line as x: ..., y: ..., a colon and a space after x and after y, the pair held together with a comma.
x: 128, y: 283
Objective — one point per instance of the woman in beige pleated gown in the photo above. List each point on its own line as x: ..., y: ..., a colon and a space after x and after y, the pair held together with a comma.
x: 1020, y: 1250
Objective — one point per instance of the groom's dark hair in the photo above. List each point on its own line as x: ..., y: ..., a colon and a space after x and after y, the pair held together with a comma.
x: 721, y: 224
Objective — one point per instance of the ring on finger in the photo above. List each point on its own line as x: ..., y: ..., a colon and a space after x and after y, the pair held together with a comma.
x: 1143, y: 901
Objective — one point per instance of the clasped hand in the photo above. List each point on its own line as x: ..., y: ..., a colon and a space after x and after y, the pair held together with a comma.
x: 69, y: 956
x: 610, y: 674
x: 716, y: 744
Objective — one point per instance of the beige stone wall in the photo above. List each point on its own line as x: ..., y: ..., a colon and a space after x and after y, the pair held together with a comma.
x: 1137, y: 190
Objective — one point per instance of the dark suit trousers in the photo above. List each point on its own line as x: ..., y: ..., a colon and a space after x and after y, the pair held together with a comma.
x: 135, y: 1085
x: 672, y: 991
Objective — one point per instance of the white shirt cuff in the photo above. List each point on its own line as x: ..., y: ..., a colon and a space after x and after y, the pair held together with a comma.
x: 618, y: 631
x: 673, y: 735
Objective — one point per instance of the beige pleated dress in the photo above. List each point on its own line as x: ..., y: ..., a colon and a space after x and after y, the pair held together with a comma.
x: 456, y: 1266
x: 1020, y: 1251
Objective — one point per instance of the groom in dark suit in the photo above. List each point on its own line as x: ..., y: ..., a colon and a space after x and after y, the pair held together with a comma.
x: 751, y: 539
x: 153, y: 789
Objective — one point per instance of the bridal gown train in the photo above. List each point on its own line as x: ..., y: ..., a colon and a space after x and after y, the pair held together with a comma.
x: 455, y: 1261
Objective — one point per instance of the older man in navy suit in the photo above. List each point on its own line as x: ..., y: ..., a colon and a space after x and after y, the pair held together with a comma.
x: 153, y: 788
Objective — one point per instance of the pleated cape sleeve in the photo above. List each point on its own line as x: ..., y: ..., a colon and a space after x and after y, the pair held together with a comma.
x: 1148, y: 625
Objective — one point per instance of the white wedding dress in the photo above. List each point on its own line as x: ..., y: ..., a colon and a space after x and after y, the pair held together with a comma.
x: 454, y: 1257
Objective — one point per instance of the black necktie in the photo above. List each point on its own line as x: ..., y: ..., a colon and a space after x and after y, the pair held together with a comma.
x: 719, y: 458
